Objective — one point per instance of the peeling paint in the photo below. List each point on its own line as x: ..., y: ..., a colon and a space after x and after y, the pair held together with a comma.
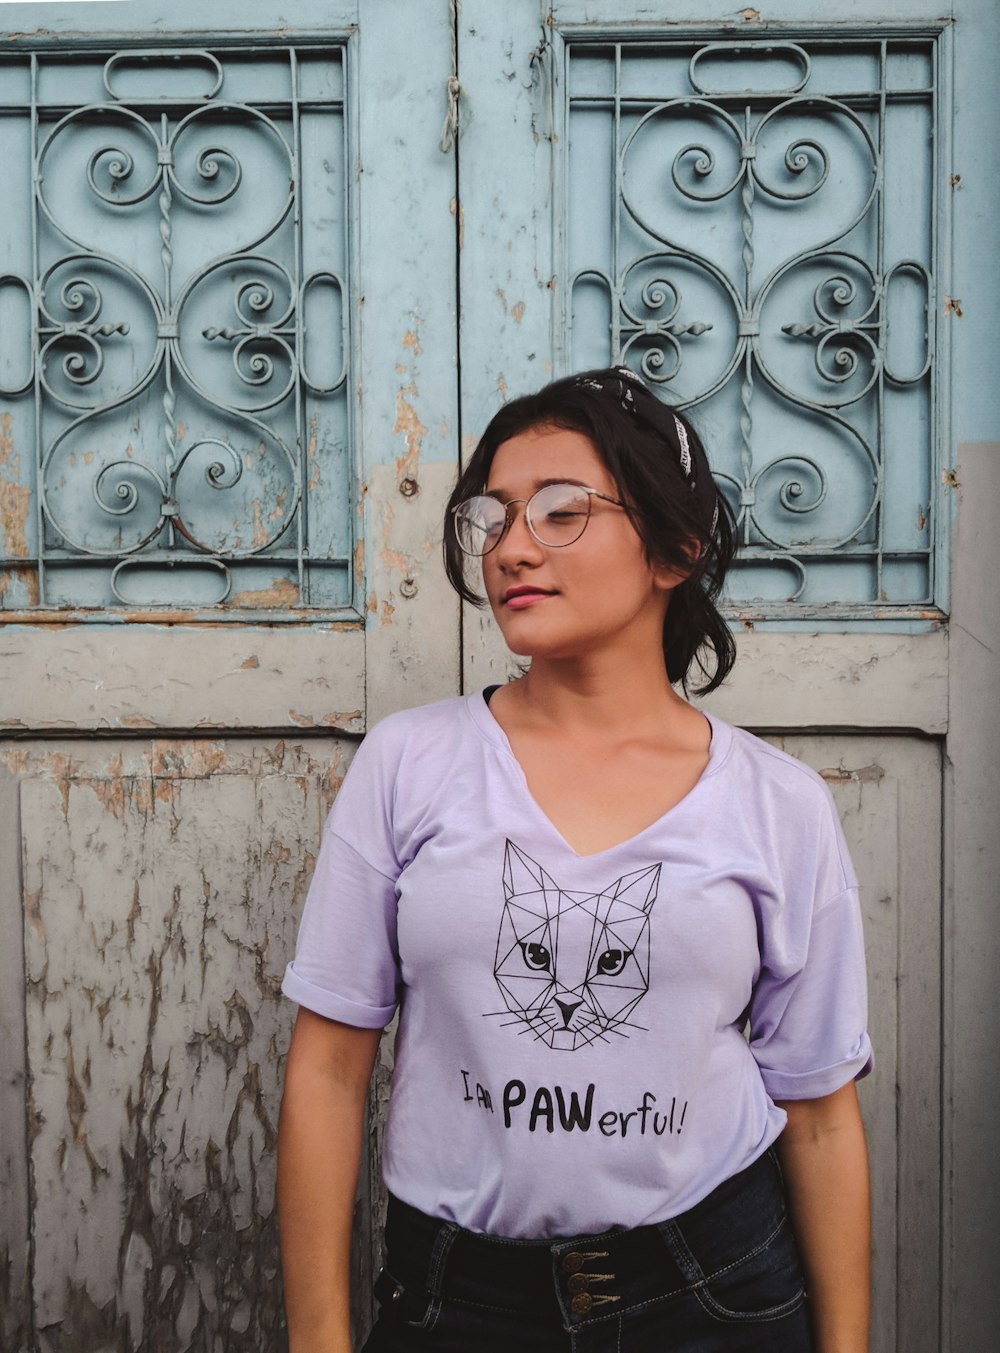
x: 260, y: 534
x: 517, y: 311
x: 840, y: 775
x: 340, y: 718
x: 6, y: 438
x: 155, y: 1031
x: 395, y: 559
x: 949, y: 478
x: 192, y: 758
x: 25, y: 578
x: 410, y: 425
x: 15, y: 504
x: 312, y: 454
x: 15, y: 758
x: 68, y: 620
x: 457, y: 208
x: 282, y: 592
x: 251, y: 662
x: 953, y: 306
x: 411, y: 340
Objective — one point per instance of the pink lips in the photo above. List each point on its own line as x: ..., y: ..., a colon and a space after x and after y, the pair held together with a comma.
x: 519, y: 598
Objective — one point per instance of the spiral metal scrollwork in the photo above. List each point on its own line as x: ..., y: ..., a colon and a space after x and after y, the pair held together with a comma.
x: 196, y: 499
x: 704, y: 311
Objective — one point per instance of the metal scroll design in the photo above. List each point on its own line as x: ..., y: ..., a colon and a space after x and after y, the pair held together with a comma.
x: 151, y: 507
x: 748, y: 151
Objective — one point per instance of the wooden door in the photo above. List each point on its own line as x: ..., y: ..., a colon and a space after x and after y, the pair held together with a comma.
x: 196, y: 631
x: 764, y: 212
x: 227, y: 421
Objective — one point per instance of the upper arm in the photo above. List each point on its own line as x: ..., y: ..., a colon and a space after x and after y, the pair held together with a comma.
x: 341, y: 1054
x: 813, y: 1119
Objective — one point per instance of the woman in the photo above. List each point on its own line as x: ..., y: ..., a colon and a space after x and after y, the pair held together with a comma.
x: 625, y: 942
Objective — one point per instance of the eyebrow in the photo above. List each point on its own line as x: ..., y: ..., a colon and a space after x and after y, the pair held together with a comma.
x: 503, y: 497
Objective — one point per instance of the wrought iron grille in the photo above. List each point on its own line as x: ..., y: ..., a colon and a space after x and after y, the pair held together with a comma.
x: 751, y: 225
x: 174, y: 318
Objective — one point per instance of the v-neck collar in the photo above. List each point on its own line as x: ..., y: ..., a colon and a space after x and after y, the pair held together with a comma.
x: 489, y: 728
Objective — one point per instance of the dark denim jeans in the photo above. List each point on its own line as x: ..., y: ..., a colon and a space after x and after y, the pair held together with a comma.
x: 722, y: 1277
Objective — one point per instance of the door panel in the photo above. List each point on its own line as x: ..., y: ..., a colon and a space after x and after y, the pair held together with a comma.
x: 162, y: 882
x: 813, y: 671
x: 154, y: 886
x: 169, y: 759
x: 227, y: 363
x: 887, y: 791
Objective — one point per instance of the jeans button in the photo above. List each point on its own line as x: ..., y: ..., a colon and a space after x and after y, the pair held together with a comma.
x: 578, y: 1282
x: 572, y: 1262
x: 397, y: 1295
x: 581, y: 1303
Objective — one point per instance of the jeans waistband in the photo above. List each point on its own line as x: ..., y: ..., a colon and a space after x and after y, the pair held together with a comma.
x: 587, y: 1270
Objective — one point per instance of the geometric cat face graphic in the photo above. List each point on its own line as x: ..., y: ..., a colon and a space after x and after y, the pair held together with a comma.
x: 572, y: 966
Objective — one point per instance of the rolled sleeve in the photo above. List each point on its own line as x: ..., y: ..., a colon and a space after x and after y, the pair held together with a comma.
x: 328, y: 1003
x: 346, y: 964
x: 808, y: 1015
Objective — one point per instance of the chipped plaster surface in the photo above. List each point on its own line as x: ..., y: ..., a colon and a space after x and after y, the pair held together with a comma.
x: 162, y: 884
x: 144, y: 677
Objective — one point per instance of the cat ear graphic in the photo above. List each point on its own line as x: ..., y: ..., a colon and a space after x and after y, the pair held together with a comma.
x: 522, y: 875
x: 639, y: 889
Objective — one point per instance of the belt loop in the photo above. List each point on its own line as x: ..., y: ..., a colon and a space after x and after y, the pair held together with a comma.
x: 440, y: 1250
x: 671, y: 1235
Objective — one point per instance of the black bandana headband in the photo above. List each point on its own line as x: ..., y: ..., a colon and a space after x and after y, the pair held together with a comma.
x: 625, y: 378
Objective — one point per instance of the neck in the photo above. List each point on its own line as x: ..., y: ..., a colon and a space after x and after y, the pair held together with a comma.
x: 612, y: 692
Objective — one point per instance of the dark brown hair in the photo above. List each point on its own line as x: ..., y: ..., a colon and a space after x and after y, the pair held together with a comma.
x: 664, y: 478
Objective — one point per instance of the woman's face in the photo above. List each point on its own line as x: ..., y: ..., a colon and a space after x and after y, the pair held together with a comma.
x: 598, y: 592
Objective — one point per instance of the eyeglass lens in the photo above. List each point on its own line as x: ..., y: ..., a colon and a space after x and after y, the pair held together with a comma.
x: 556, y: 515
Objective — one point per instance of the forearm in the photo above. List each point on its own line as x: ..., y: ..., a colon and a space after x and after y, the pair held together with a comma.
x: 319, y: 1144
x: 825, y: 1163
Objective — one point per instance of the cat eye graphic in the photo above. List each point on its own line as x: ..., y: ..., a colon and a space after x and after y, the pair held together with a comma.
x: 572, y: 966
x: 612, y: 961
x: 537, y: 956
x: 609, y: 964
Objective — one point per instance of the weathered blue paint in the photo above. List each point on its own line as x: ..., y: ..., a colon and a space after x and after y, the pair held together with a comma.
x: 186, y: 245
x: 738, y: 231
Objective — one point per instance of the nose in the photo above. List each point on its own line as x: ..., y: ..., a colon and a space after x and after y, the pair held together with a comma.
x: 517, y: 544
x: 569, y: 1009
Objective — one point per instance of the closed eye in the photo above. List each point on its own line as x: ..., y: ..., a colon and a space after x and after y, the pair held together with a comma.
x: 612, y: 961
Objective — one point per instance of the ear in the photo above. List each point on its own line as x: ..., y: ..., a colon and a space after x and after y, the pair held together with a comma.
x: 668, y: 576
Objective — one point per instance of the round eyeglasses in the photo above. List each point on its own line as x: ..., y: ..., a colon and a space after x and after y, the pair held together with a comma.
x: 556, y: 514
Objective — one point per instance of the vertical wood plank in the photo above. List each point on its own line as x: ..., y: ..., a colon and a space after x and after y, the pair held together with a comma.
x: 406, y: 205
x: 509, y: 215
x: 160, y: 909
x: 918, y: 1192
x: 887, y: 791
x: 15, y: 1292
x: 972, y: 994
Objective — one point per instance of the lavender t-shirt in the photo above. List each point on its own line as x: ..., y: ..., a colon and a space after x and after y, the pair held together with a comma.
x: 571, y: 1054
